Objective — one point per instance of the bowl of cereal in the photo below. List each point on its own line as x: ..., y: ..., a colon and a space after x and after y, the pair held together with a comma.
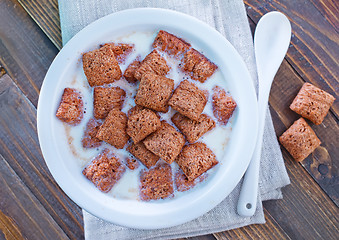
x: 148, y: 123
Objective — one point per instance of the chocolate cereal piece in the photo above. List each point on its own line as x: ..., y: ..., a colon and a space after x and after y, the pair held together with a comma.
x: 223, y: 105
x: 156, y: 183
x: 113, y: 130
x: 130, y: 70
x: 154, y: 92
x: 299, y: 140
x: 104, y: 171
x: 107, y: 98
x: 120, y: 50
x: 142, y: 124
x: 312, y: 103
x: 195, y: 159
x: 153, y: 63
x: 71, y: 107
x: 101, y: 67
x: 145, y: 156
x: 132, y: 163
x: 89, y: 139
x: 170, y: 43
x: 193, y: 130
x: 197, y: 65
x: 188, y: 100
x: 182, y: 183
x: 166, y: 142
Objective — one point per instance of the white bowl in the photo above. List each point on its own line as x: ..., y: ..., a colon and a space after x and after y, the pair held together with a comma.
x: 161, y: 214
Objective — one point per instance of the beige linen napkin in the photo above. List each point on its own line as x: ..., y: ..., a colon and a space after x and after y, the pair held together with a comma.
x: 230, y: 19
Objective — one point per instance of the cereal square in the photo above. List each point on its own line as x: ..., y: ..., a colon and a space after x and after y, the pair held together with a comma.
x: 145, y: 156
x: 142, y: 124
x: 197, y: 65
x: 170, y: 43
x: 130, y: 70
x: 312, y: 103
x: 71, y: 107
x: 154, y: 92
x: 89, y: 139
x: 189, y: 100
x: 193, y: 130
x: 104, y: 171
x: 223, y: 105
x: 166, y: 142
x: 182, y: 183
x: 195, y: 159
x: 132, y: 163
x: 156, y: 183
x: 101, y: 67
x: 113, y: 130
x: 107, y: 98
x: 299, y: 140
x: 120, y: 50
x: 153, y: 63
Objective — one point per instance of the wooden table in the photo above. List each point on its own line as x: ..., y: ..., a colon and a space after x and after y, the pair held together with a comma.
x: 32, y: 206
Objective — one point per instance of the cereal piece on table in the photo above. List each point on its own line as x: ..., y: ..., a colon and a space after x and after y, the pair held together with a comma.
x: 113, y: 130
x: 120, y: 50
x: 130, y: 70
x: 104, y: 171
x: 145, y: 156
x: 195, y: 159
x: 89, y: 139
x: 223, y: 105
x: 166, y: 142
x: 189, y: 100
x: 182, y: 183
x: 154, y: 92
x: 142, y: 124
x: 170, y: 43
x: 71, y: 107
x: 197, y: 65
x: 107, y: 98
x: 101, y: 67
x: 156, y: 183
x: 312, y: 103
x: 132, y: 163
x: 193, y: 130
x: 153, y: 63
x: 299, y: 140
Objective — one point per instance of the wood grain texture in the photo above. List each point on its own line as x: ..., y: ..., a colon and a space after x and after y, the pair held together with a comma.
x: 46, y: 14
x: 21, y: 215
x: 20, y: 147
x: 330, y: 10
x: 25, y: 51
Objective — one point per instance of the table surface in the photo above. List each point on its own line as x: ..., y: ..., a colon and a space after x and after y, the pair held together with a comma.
x: 32, y: 205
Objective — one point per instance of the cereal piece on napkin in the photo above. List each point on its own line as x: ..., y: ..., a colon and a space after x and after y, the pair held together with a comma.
x: 195, y: 159
x: 193, y: 130
x: 113, y: 130
x: 299, y: 140
x: 104, y: 171
x: 197, y: 65
x: 132, y: 163
x: 89, y: 139
x: 223, y: 105
x: 101, y: 67
x: 312, y: 103
x: 166, y: 142
x: 182, y: 183
x: 189, y: 100
x: 107, y: 98
x: 120, y: 50
x: 154, y: 92
x: 156, y: 183
x: 145, y: 156
x: 153, y: 63
x: 71, y: 107
x: 130, y: 70
x: 170, y: 43
x: 142, y: 124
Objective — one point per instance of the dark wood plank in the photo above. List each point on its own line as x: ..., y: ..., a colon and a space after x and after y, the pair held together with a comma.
x: 46, y: 14
x: 313, y: 52
x: 21, y: 214
x: 20, y: 147
x: 25, y: 51
x: 329, y: 9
